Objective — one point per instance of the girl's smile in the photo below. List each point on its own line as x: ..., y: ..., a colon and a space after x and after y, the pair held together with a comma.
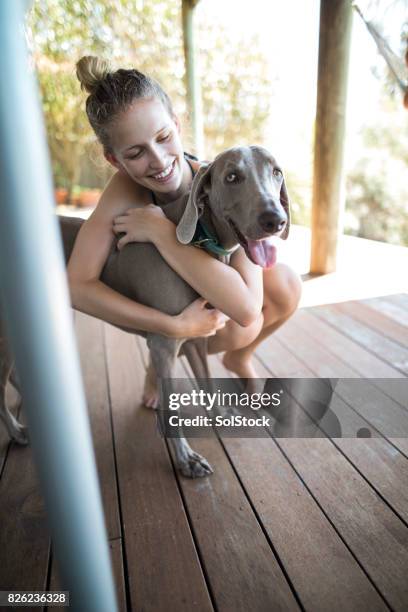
x: 167, y: 174
x: 147, y: 147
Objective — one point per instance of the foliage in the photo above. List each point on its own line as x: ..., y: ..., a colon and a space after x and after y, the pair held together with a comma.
x: 145, y: 34
x: 66, y: 123
x: 236, y: 90
x: 377, y: 190
x: 300, y: 195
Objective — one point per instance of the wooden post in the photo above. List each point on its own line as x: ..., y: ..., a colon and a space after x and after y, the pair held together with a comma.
x: 192, y: 83
x: 328, y: 198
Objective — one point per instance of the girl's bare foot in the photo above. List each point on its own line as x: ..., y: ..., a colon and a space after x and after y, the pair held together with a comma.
x: 241, y: 364
x: 150, y: 392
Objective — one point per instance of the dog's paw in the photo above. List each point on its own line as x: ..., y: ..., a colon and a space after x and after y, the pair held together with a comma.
x: 194, y: 466
x: 20, y: 435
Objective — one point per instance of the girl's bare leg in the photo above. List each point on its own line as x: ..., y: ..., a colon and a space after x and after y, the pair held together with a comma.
x: 282, y: 291
x: 150, y: 391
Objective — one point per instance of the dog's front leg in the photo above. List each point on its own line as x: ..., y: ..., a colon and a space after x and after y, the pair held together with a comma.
x: 16, y: 431
x: 163, y: 353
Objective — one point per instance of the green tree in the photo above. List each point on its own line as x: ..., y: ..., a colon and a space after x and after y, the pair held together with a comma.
x: 236, y: 89
x: 377, y: 190
x: 146, y: 35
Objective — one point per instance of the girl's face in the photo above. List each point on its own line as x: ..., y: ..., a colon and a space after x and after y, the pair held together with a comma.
x: 146, y: 146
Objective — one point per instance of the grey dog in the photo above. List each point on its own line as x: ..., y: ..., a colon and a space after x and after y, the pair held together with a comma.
x: 240, y: 199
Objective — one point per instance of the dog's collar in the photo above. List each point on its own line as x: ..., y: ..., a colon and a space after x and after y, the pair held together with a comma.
x: 203, y: 239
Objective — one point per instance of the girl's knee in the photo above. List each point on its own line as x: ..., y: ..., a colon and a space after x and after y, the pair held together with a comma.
x: 294, y: 289
x: 236, y: 337
x: 284, y: 290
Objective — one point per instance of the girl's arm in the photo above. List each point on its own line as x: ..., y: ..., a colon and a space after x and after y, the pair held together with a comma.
x: 236, y: 290
x: 90, y: 295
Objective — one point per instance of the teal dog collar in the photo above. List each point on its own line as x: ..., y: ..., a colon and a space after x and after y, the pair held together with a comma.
x: 203, y: 239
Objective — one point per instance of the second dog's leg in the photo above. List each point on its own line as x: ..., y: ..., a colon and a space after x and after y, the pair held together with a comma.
x: 13, y: 378
x: 164, y: 353
x: 16, y: 431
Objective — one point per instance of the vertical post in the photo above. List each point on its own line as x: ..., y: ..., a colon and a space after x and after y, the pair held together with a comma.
x: 192, y: 83
x: 328, y: 198
x: 39, y: 320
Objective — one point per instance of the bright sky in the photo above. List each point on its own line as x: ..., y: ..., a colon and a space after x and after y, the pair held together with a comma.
x: 288, y: 31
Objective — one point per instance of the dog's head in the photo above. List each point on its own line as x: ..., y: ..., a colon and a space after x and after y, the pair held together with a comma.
x: 246, y: 193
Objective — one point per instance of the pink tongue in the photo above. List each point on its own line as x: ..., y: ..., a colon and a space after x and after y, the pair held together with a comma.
x: 262, y: 252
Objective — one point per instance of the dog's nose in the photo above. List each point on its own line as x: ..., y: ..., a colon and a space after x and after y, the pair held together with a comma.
x: 272, y: 222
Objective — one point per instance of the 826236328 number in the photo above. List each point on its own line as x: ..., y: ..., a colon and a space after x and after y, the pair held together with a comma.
x: 34, y: 598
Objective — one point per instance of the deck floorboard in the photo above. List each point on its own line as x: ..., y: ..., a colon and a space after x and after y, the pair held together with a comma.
x: 316, y: 523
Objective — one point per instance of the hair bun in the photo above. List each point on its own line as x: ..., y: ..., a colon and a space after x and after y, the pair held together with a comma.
x: 91, y: 71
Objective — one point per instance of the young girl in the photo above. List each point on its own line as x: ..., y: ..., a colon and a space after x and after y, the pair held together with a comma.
x: 134, y: 121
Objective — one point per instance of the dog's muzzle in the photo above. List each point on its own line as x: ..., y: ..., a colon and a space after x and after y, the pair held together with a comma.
x: 261, y: 251
x: 272, y: 222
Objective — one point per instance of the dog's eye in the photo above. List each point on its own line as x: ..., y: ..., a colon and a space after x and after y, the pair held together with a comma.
x: 277, y: 173
x: 232, y: 178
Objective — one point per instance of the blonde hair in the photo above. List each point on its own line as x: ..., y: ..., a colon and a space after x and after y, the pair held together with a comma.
x: 112, y: 92
x: 90, y: 70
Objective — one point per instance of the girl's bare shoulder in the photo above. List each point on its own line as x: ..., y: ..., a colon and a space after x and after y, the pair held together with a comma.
x: 121, y: 193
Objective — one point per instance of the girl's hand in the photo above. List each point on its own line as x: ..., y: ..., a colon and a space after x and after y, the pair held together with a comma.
x: 197, y: 321
x: 138, y: 224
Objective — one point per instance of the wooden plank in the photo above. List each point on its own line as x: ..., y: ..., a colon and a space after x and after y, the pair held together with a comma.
x: 323, y: 571
x: 310, y: 329
x: 376, y: 320
x: 365, y: 336
x: 379, y: 404
x: 399, y: 299
x: 115, y: 547
x: 385, y: 468
x: 116, y: 551
x: 164, y: 571
x: 24, y: 533
x: 384, y: 448
x: 395, y: 388
x: 362, y: 404
x: 380, y: 462
x: 312, y: 346
x: 280, y: 361
x: 321, y: 568
x: 328, y: 352
x: 241, y: 567
x: 372, y: 531
x: 90, y: 341
x: 285, y: 363
x: 233, y: 547
x: 305, y: 338
x: 389, y: 306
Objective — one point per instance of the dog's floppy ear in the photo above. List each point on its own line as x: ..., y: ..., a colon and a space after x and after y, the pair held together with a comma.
x: 195, y: 205
x: 284, y: 200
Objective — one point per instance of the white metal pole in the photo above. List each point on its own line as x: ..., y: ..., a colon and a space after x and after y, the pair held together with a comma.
x: 36, y: 303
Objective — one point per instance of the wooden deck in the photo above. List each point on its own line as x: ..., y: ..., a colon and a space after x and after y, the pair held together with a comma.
x: 282, y: 524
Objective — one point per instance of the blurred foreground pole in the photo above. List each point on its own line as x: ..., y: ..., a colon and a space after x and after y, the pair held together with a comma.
x: 328, y: 195
x: 36, y: 304
x: 193, y: 86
